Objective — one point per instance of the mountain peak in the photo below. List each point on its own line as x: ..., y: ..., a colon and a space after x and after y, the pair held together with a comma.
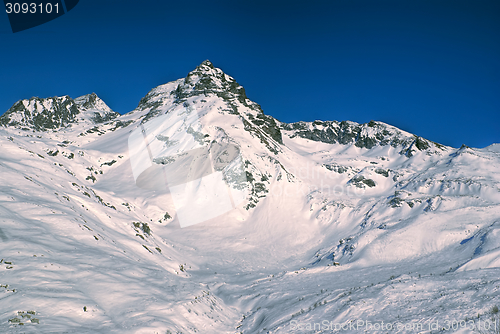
x: 204, y: 84
x: 42, y: 114
x: 92, y: 101
x: 207, y: 63
x: 208, y: 77
x: 204, y: 80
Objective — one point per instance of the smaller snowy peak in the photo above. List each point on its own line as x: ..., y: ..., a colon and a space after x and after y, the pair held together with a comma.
x: 91, y: 101
x: 367, y: 135
x: 42, y: 114
x: 95, y: 109
x: 465, y: 149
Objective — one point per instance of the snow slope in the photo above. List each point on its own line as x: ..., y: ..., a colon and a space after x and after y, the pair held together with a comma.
x: 340, y: 223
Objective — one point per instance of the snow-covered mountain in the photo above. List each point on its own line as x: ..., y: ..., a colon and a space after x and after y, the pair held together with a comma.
x: 198, y: 213
x: 57, y: 112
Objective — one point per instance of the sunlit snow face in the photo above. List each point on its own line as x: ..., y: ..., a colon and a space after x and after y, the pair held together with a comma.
x: 205, y: 178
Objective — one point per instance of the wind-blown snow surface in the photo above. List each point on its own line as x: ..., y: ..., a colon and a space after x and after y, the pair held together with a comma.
x: 344, y: 223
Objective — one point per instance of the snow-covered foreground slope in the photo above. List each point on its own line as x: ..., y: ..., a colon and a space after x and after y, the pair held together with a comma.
x: 343, y: 227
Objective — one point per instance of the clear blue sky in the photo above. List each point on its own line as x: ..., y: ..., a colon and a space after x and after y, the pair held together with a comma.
x: 428, y: 67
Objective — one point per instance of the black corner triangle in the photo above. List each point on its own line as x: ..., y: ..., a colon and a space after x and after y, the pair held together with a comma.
x: 70, y: 4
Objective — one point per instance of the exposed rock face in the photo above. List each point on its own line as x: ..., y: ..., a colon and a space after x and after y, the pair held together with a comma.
x: 41, y: 114
x: 56, y: 112
x: 207, y: 80
x: 366, y: 135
